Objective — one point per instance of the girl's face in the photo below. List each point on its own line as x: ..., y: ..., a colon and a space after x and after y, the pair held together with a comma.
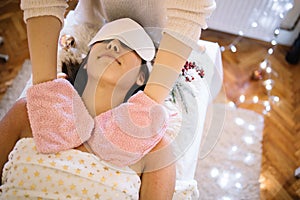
x: 111, y: 62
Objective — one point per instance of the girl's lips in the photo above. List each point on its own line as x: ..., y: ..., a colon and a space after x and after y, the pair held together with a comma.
x: 110, y: 56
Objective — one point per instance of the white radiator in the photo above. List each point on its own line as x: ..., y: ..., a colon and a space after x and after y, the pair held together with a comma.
x: 253, y: 18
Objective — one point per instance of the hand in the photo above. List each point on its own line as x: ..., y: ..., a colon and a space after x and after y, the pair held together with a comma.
x: 62, y: 75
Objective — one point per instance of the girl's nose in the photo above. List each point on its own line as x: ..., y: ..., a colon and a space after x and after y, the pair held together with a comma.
x: 114, y: 45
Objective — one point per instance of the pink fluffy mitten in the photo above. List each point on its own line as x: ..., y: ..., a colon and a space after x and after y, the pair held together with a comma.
x: 58, y: 118
x: 123, y: 135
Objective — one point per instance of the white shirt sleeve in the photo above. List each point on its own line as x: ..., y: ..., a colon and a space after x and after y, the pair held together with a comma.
x: 186, y: 18
x: 35, y: 8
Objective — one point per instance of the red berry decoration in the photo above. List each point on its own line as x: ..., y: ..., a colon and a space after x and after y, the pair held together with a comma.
x: 187, y: 67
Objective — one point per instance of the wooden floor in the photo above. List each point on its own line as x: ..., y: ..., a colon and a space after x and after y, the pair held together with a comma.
x: 281, y: 144
x: 13, y: 30
x: 281, y: 139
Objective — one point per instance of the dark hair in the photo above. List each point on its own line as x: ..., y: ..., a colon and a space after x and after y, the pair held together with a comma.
x: 135, y: 88
x: 77, y: 76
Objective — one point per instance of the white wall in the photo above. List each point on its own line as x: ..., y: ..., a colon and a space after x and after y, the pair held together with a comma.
x: 234, y: 16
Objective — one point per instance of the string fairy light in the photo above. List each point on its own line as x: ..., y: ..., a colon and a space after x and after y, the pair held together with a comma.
x: 278, y: 9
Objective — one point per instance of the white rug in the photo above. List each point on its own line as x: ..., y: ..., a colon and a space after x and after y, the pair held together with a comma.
x: 15, y: 90
x: 231, y: 170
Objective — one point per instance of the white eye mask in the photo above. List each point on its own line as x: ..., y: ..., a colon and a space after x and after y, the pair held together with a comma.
x: 131, y: 34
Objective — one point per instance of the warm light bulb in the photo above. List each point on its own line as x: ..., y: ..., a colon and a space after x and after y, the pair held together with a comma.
x: 233, y: 48
x: 251, y: 127
x: 223, y: 180
x: 263, y: 64
x: 234, y: 148
x: 262, y: 181
x: 270, y: 51
x: 248, y: 140
x: 239, y: 121
x: 288, y: 6
x: 268, y: 82
x: 238, y: 175
x: 231, y: 104
x: 214, y: 172
x: 262, y: 186
x: 254, y: 24
x: 268, y: 70
x: 248, y: 158
x: 266, y: 103
x: 242, y: 98
x: 281, y: 15
x: 238, y: 185
x: 265, y: 112
x: 269, y: 87
x: 276, y: 99
x: 273, y: 42
x: 255, y: 99
x: 276, y: 32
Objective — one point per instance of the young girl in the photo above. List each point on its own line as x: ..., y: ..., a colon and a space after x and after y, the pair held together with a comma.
x: 113, y: 67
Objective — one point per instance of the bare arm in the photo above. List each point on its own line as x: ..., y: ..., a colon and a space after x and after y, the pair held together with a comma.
x: 14, y: 125
x: 43, y: 33
x: 185, y: 19
x: 158, y: 184
x: 170, y: 59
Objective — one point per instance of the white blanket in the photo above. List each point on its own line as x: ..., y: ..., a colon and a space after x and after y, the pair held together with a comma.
x: 72, y: 174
